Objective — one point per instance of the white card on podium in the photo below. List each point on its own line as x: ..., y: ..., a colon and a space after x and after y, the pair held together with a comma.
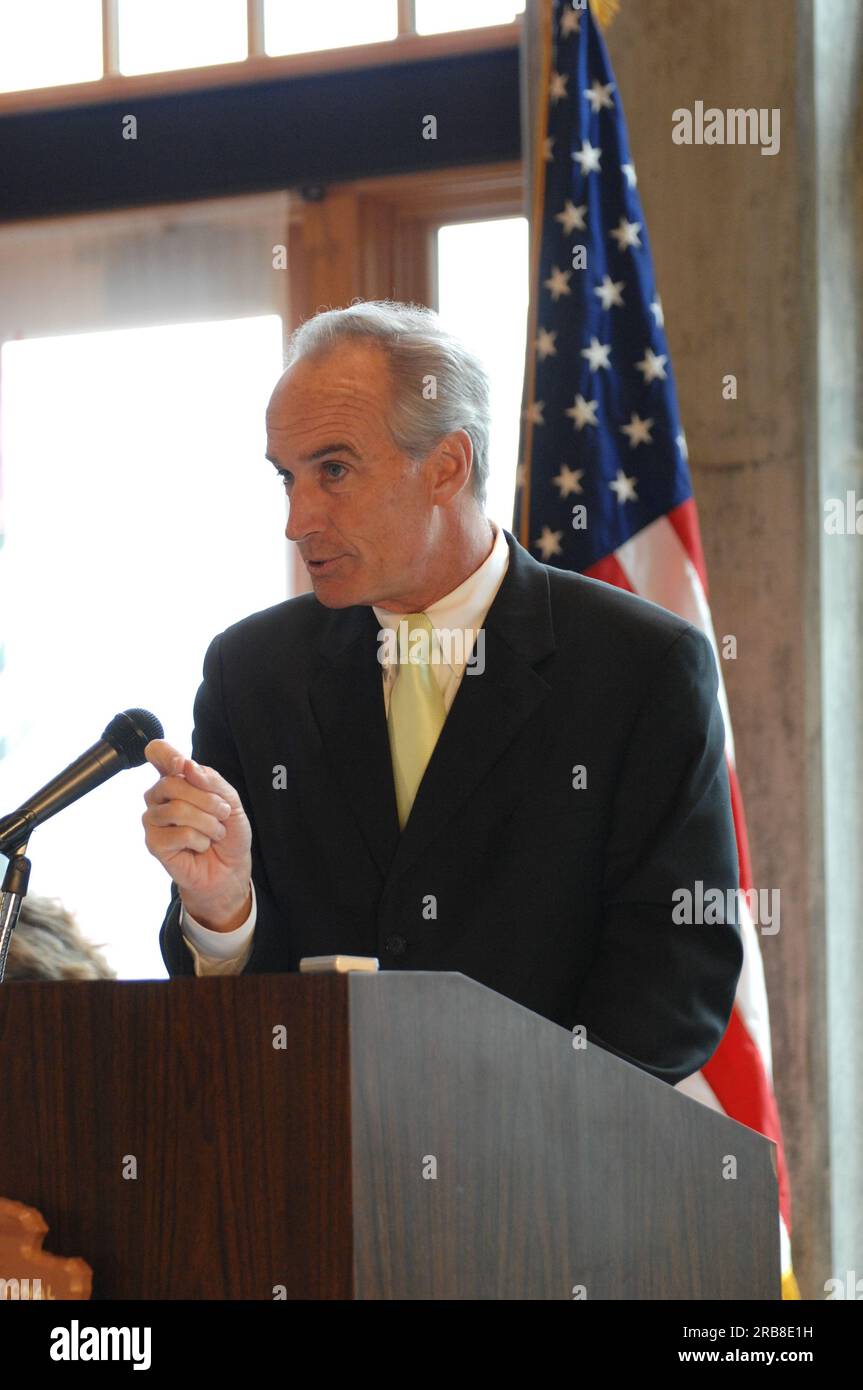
x: 314, y: 965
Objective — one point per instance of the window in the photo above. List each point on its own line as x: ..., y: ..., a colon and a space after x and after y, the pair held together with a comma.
x: 482, y: 294
x: 297, y: 28
x: 141, y: 516
x: 157, y: 35
x: 438, y: 16
x: 99, y: 45
x: 157, y: 523
x: 44, y: 43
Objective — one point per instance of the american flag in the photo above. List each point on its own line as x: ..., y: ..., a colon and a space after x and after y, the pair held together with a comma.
x: 603, y: 481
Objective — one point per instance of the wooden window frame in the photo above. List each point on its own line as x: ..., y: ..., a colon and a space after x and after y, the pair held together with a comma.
x: 375, y: 238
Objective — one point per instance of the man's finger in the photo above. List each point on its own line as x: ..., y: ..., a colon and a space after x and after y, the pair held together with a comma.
x: 209, y: 780
x: 175, y: 788
x: 166, y: 759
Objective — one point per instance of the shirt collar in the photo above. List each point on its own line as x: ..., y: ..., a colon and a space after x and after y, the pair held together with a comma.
x: 467, y: 605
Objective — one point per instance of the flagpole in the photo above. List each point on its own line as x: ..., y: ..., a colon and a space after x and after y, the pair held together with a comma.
x: 545, y: 8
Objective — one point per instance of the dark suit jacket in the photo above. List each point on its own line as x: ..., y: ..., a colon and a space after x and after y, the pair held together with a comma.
x: 558, y: 897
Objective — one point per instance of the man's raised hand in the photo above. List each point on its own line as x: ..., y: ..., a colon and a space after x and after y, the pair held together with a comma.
x: 196, y: 827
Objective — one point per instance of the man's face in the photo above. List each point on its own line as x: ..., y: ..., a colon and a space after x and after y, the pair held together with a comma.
x: 360, y: 511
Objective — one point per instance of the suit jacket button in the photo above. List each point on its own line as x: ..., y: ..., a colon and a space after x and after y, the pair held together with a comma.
x: 396, y: 945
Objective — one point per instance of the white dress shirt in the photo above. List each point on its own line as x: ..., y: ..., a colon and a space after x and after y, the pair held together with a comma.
x: 463, y: 610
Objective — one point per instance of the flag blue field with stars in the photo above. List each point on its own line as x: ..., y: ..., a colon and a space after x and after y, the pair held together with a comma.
x: 600, y: 428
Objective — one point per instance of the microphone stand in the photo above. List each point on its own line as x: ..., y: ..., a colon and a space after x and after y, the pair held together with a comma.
x: 15, y: 884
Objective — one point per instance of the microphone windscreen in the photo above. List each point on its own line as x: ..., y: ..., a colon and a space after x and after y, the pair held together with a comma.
x: 130, y: 732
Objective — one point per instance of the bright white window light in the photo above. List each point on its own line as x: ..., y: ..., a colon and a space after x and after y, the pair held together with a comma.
x: 438, y: 16
x: 291, y: 27
x: 46, y: 43
x: 141, y: 520
x: 483, y: 298
x: 162, y: 35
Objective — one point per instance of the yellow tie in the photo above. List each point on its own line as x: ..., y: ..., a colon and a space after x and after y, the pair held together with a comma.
x: 416, y: 714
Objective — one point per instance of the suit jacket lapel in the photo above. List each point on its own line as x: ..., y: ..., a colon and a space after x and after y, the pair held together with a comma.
x: 486, y: 715
x: 347, y: 700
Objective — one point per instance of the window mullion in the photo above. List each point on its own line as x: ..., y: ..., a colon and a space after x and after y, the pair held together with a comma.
x: 110, y: 38
x: 255, y: 23
x: 407, y: 16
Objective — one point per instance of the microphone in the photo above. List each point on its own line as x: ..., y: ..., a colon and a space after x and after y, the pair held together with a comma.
x: 121, y: 745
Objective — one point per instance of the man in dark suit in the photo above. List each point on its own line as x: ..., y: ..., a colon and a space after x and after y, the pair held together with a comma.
x: 523, y: 812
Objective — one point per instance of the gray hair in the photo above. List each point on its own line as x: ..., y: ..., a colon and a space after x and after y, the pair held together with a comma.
x: 422, y: 357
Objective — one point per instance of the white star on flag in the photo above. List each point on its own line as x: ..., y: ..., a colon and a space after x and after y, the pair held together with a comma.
x: 557, y: 86
x: 624, y: 487
x: 549, y: 542
x: 568, y: 480
x: 588, y: 157
x: 545, y: 343
x: 631, y: 176
x: 597, y: 354
x: 658, y: 314
x: 637, y: 431
x: 572, y: 217
x: 534, y: 413
x: 547, y: 152
x: 583, y: 412
x: 599, y: 95
x: 626, y: 234
x: 652, y: 366
x: 558, y: 282
x: 609, y: 292
x: 569, y: 22
x: 682, y: 445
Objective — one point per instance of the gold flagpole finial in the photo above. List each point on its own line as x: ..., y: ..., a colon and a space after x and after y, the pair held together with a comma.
x: 604, y: 11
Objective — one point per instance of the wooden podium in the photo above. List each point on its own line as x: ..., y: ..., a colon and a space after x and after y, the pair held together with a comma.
x: 397, y: 1135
